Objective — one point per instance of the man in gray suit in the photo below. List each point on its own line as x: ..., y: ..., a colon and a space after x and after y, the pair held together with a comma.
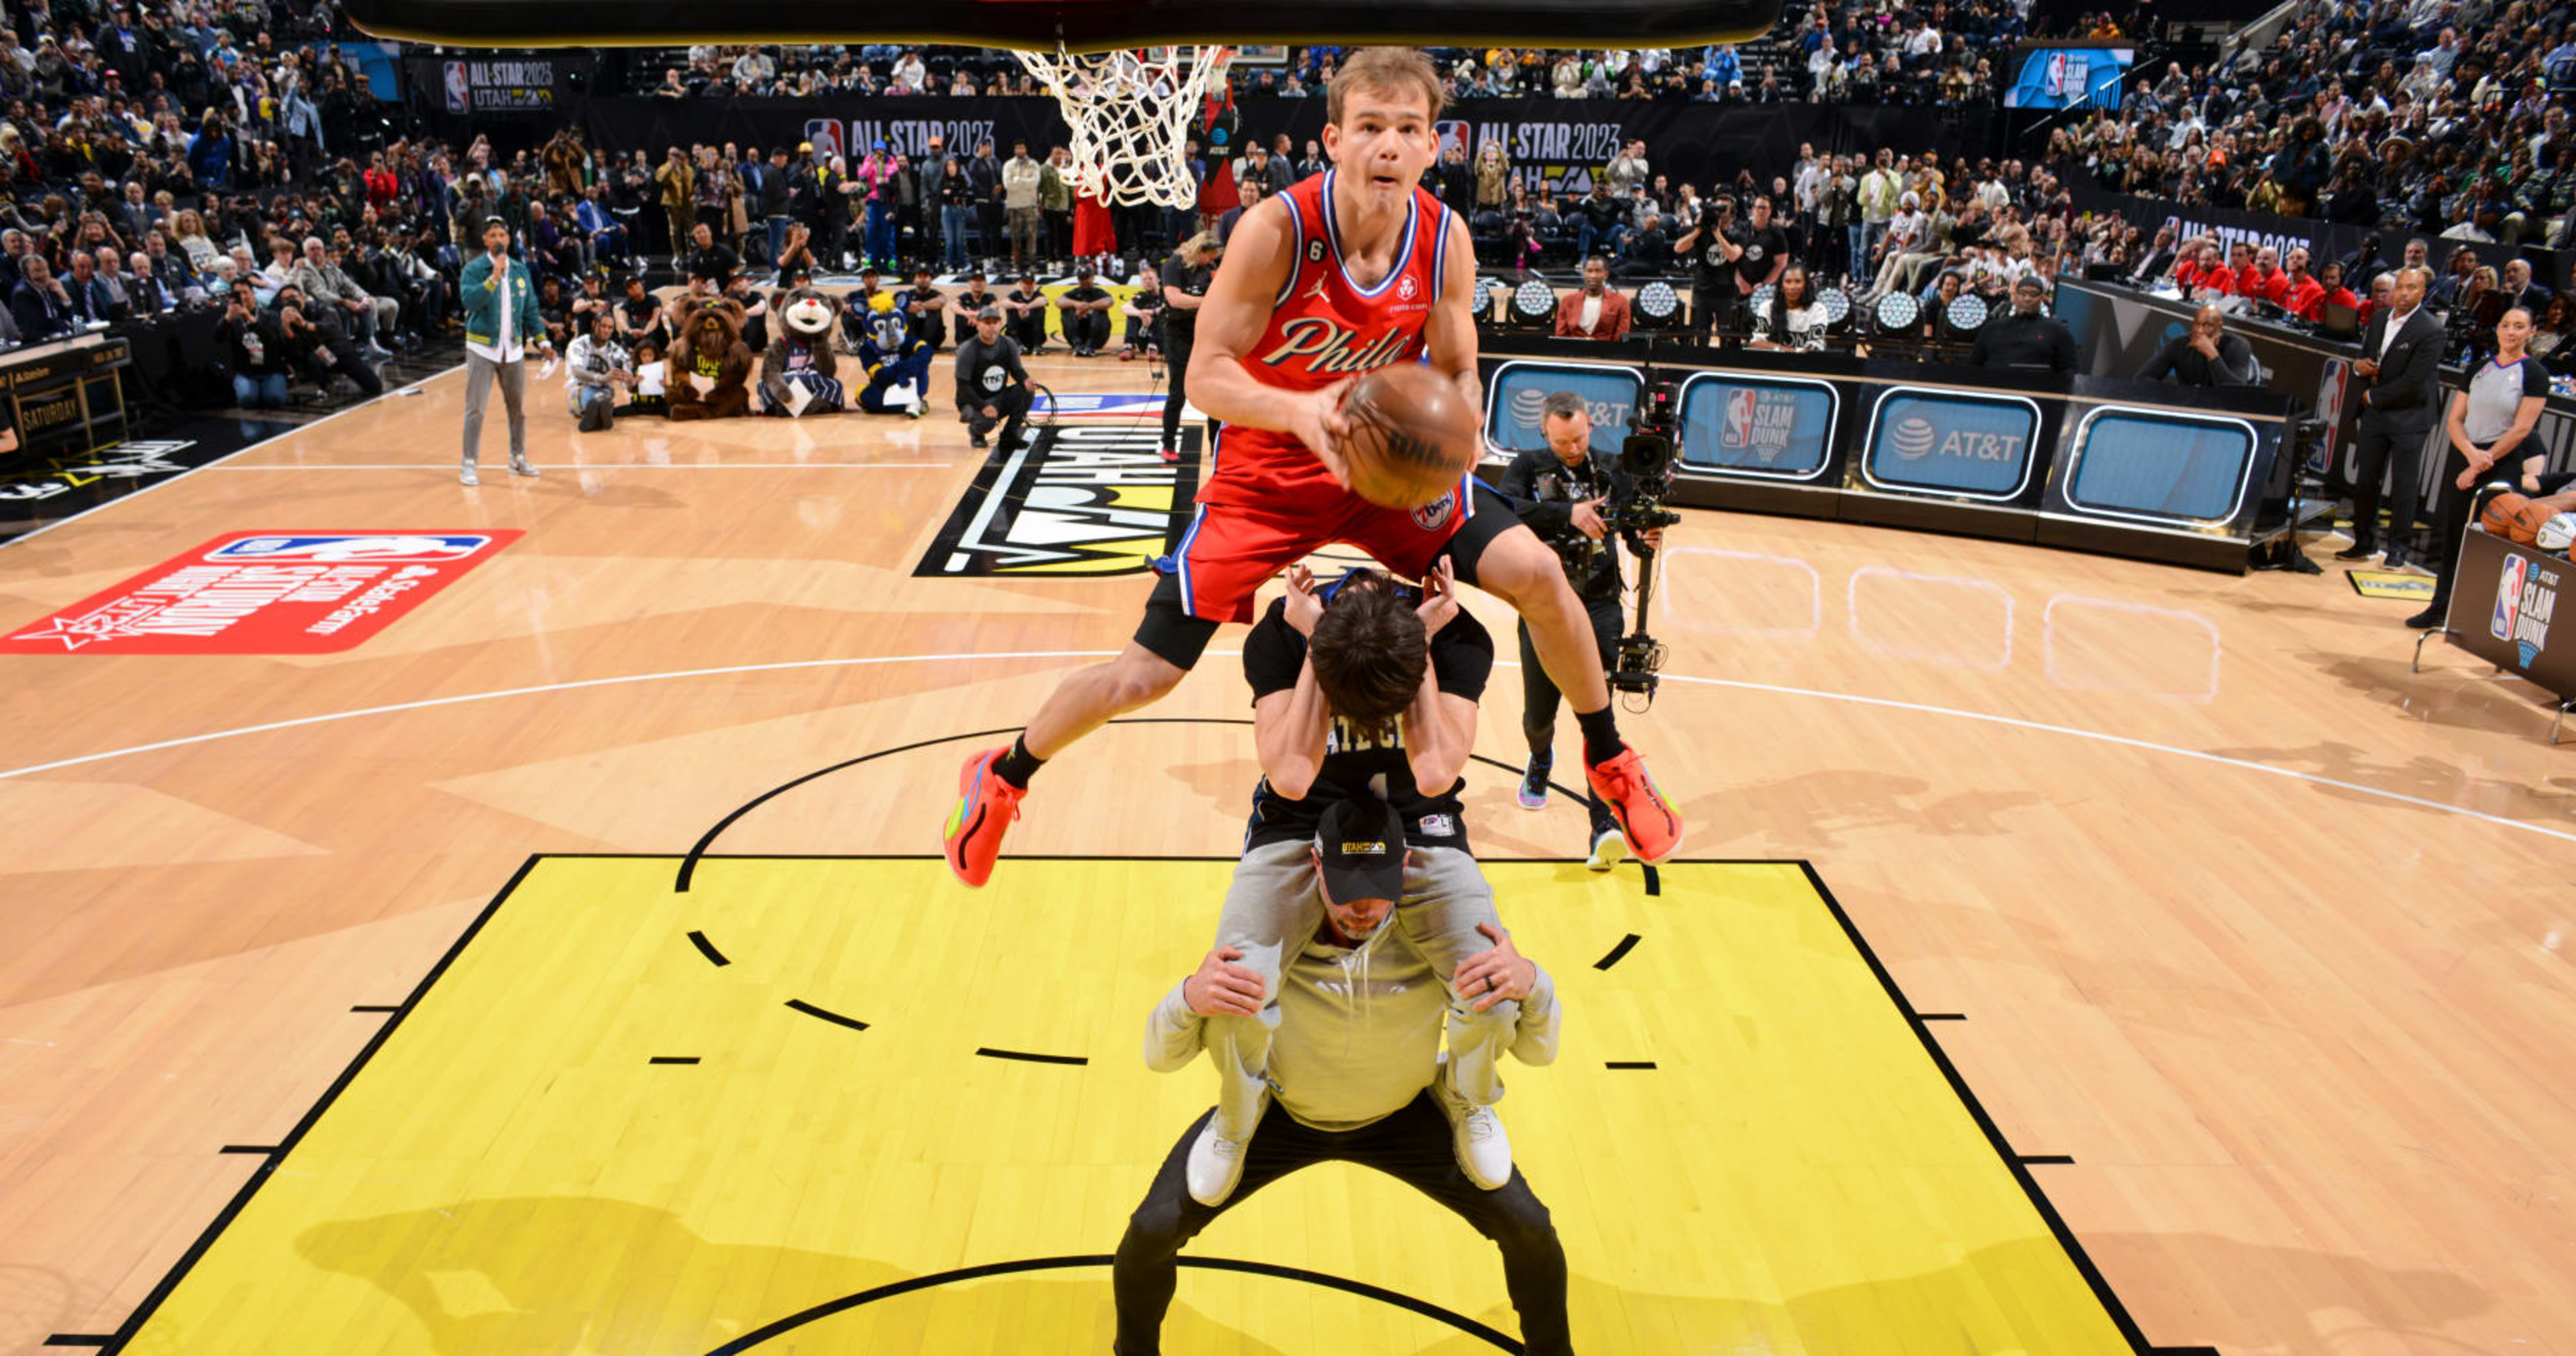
x: 2401, y: 358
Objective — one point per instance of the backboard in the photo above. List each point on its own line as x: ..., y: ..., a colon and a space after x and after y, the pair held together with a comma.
x: 1080, y: 25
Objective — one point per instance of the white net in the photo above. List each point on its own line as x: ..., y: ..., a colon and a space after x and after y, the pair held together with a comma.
x: 1131, y: 112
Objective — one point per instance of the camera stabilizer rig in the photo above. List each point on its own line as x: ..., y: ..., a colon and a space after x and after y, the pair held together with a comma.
x: 1647, y: 459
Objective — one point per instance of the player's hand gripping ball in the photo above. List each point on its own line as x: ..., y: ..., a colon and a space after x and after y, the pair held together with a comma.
x: 1412, y: 438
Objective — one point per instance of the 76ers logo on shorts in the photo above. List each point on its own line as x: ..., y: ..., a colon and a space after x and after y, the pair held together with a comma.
x: 1433, y: 516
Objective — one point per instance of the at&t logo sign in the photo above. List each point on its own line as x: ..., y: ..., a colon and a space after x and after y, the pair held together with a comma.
x: 1916, y: 438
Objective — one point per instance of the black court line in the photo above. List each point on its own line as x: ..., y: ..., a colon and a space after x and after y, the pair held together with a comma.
x: 834, y: 1018
x: 263, y: 1150
x: 2102, y: 1292
x: 1654, y: 880
x: 699, y: 851
x: 1942, y: 1016
x: 707, y: 948
x: 1498, y: 1340
x: 134, y: 1322
x: 1619, y: 952
x: 672, y: 1059
x: 990, y: 1053
x: 2044, y: 1159
x: 376, y: 1007
x: 1629, y: 1064
x: 79, y: 1339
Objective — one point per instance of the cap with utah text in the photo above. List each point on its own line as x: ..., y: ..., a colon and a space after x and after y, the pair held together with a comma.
x: 1360, y: 844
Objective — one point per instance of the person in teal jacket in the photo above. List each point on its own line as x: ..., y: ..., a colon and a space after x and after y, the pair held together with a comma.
x: 500, y: 322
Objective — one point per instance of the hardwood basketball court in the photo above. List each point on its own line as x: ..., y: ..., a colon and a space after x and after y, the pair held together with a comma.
x: 2221, y: 954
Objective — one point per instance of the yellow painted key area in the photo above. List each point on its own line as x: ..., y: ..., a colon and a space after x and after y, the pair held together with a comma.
x: 511, y: 1172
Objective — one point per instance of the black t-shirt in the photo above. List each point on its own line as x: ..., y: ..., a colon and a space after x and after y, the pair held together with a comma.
x: 715, y: 263
x: 1462, y: 658
x: 1708, y: 254
x: 1180, y: 277
x: 1763, y: 247
x: 925, y: 295
x: 1083, y: 294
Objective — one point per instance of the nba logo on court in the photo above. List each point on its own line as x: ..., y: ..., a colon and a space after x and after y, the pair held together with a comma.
x: 2508, y: 602
x: 352, y: 546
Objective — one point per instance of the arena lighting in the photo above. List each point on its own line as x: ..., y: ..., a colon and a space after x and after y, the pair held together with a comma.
x: 1964, y: 315
x: 1657, y: 307
x: 1534, y: 304
x: 1898, y: 313
x: 1761, y: 298
x: 1481, y: 306
x: 1838, y: 308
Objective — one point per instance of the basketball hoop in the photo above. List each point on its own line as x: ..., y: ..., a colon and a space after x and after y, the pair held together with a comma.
x: 1130, y: 111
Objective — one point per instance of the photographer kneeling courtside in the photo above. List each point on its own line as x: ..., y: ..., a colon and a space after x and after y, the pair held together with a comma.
x: 1560, y: 491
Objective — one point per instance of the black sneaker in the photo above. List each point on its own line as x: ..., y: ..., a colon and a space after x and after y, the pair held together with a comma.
x: 1533, y: 793
x: 2430, y: 617
x: 2362, y: 548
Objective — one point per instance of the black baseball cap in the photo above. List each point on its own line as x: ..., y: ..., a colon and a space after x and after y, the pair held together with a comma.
x: 1361, y: 846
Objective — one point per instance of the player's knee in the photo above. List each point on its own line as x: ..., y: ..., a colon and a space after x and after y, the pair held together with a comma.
x: 1143, y: 679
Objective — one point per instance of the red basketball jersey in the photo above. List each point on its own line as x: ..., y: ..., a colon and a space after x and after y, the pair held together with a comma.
x: 1323, y: 327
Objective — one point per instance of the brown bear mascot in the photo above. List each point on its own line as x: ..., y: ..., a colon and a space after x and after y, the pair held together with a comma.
x: 710, y: 366
x: 799, y: 375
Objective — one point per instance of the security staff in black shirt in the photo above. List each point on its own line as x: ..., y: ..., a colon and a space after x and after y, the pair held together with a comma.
x: 1560, y: 490
x: 972, y: 299
x: 1082, y: 313
x: 926, y: 304
x: 2027, y: 338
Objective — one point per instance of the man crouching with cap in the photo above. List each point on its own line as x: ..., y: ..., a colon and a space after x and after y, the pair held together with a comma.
x: 1356, y: 1072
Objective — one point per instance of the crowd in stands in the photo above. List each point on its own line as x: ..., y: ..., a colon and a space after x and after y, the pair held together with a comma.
x: 2445, y: 117
x: 1935, y: 52
x: 226, y: 157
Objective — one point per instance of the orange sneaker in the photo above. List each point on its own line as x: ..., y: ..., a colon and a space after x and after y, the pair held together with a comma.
x: 986, y: 805
x: 1653, y: 827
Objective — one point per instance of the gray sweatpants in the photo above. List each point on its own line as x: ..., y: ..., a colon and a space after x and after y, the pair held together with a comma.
x: 479, y: 372
x: 1273, y: 909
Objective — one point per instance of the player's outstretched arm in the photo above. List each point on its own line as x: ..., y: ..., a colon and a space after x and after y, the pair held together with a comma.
x: 1449, y: 333
x: 1240, y: 299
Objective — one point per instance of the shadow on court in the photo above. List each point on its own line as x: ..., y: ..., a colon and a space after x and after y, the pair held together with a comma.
x: 573, y: 1275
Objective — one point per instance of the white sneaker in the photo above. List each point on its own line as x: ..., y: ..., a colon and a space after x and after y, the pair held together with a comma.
x: 1608, y: 850
x: 1216, y: 1164
x: 519, y: 467
x: 1484, y: 1151
x: 466, y: 474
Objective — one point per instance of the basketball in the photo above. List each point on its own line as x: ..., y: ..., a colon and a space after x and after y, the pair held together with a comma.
x: 2524, y: 526
x: 1413, y: 436
x: 2497, y: 516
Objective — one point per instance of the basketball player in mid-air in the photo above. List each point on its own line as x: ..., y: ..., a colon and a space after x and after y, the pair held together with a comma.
x: 1353, y: 269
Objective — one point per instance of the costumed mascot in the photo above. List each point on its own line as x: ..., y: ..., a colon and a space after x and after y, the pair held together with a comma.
x: 709, y: 367
x: 898, y: 366
x: 798, y: 373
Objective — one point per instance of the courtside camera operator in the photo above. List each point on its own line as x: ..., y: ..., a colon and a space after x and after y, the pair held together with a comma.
x: 1562, y: 490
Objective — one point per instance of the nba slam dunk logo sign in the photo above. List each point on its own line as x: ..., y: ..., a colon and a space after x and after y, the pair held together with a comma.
x: 1070, y: 501
x: 2526, y: 596
x: 1754, y: 426
x: 264, y: 593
